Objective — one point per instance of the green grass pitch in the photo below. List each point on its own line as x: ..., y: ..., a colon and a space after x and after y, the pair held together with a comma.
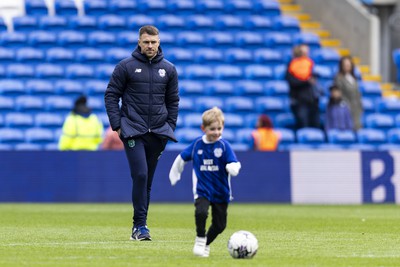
x: 288, y: 235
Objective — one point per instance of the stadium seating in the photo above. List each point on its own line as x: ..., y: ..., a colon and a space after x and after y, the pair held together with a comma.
x: 371, y: 136
x: 18, y: 120
x: 341, y: 137
x: 249, y: 88
x: 11, y: 136
x: 42, y: 39
x: 10, y: 87
x: 111, y: 23
x: 39, y: 136
x: 48, y: 120
x: 36, y: 8
x: 28, y: 103
x: 52, y: 23
x: 49, y: 71
x: 39, y: 87
x: 310, y: 136
x: 239, y: 104
x: 379, y: 121
x: 6, y: 105
x: 65, y: 8
x: 122, y: 7
x: 219, y: 88
x: 187, y: 135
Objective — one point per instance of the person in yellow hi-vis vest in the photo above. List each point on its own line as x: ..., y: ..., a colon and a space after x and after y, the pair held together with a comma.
x: 82, y: 129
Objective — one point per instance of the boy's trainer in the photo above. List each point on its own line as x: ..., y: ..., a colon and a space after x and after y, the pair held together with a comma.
x: 141, y: 234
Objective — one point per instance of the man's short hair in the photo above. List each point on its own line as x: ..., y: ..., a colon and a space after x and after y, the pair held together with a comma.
x: 149, y: 29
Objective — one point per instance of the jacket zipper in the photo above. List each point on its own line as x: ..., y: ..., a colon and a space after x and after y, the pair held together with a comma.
x: 150, y: 93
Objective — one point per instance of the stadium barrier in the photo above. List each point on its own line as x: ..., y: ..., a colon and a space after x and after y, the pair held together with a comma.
x: 300, y: 177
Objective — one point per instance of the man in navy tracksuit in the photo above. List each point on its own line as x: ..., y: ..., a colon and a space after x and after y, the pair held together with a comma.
x: 147, y: 85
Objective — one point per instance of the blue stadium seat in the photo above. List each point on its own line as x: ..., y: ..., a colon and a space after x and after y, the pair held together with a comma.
x: 179, y: 56
x: 71, y: 38
x: 7, y: 55
x: 36, y: 7
x: 79, y: 71
x: 7, y: 104
x: 285, y: 120
x: 126, y: 39
x: 167, y: 39
x: 370, y: 89
x: 3, y: 26
x: 39, y: 87
x: 29, y: 55
x: 10, y: 87
x: 208, y: 56
x: 368, y: 105
x: 234, y: 121
x: 96, y: 103
x: 123, y: 7
x: 101, y: 39
x: 114, y: 55
x: 187, y: 135
x: 103, y: 117
x: 49, y: 71
x: 278, y: 40
x: 244, y: 136
x: 27, y: 147
x: 111, y: 23
x: 155, y: 7
x: 210, y: 7
x: 393, y: 136
x: 199, y: 23
x: 379, y: 121
x: 270, y: 105
x: 82, y: 23
x: 238, y: 7
x: 39, y: 136
x: 248, y: 40
x: 89, y: 55
x: 310, y: 136
x: 183, y: 7
x: 136, y: 21
x: 323, y: 72
x: 69, y: 88
x: 60, y: 104
x: 179, y: 121
x: 65, y: 8
x: 259, y: 72
x: 228, y: 23
x: 18, y: 120
x: 308, y: 38
x: 250, y: 120
x: 6, y: 147
x: 258, y: 23
x: 371, y: 136
x: 96, y: 7
x: 229, y: 134
x: 171, y: 22
x: 203, y: 103
x: 238, y: 56
x: 176, y: 146
x: 186, y: 105
x: 193, y: 120
x: 396, y: 59
x: 286, y: 136
x: 11, y: 136
x: 191, y: 88
x: 2, y: 71
x: 191, y: 39
x: 341, y: 137
x: 228, y: 72
x: 18, y: 71
x: 53, y: 23
x: 104, y: 71
x: 389, y: 147
x: 267, y: 8
x: 42, y: 39
x: 13, y: 39
x: 28, y: 103
x: 25, y: 23
x: 60, y: 55
x: 48, y: 120
x: 361, y: 147
x: 249, y: 88
x: 286, y: 24
x: 389, y: 106
x: 326, y: 56
x: 199, y: 72
x: 239, y: 104
x: 222, y: 39
x: 219, y: 88
x: 276, y: 88
x: 269, y: 57
x: 96, y: 87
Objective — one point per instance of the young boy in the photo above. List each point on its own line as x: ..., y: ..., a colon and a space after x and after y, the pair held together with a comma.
x: 338, y: 115
x: 214, y: 162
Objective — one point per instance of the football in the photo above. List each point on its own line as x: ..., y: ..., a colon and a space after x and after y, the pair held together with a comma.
x: 242, y: 245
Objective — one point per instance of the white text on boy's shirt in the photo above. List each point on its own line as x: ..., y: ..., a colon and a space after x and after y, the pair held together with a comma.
x: 208, y: 165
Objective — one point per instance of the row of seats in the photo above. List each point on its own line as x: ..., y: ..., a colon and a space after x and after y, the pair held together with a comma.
x: 396, y: 60
x: 124, y: 39
x: 126, y: 7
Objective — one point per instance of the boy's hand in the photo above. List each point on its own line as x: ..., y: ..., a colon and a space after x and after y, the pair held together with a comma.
x: 233, y: 168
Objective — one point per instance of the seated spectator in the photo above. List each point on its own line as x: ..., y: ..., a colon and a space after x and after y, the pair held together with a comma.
x: 112, y: 141
x: 82, y: 129
x: 338, y: 114
x: 265, y: 138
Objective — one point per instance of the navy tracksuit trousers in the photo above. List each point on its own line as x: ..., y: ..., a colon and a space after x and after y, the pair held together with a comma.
x: 142, y: 153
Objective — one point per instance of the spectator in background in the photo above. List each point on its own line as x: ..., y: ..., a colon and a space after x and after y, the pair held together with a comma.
x: 337, y: 112
x: 82, y: 129
x: 304, y: 98
x: 346, y: 81
x: 112, y: 141
x: 264, y: 136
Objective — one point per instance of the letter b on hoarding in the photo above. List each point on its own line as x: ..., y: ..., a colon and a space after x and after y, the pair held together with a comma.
x: 377, y: 173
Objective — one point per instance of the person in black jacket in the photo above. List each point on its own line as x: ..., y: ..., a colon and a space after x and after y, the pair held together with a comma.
x: 147, y: 85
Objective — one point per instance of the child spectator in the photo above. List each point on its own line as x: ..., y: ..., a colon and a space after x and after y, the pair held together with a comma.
x: 214, y: 162
x: 264, y: 136
x: 338, y: 114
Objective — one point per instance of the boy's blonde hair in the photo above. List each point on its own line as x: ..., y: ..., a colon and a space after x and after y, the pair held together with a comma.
x: 212, y: 115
